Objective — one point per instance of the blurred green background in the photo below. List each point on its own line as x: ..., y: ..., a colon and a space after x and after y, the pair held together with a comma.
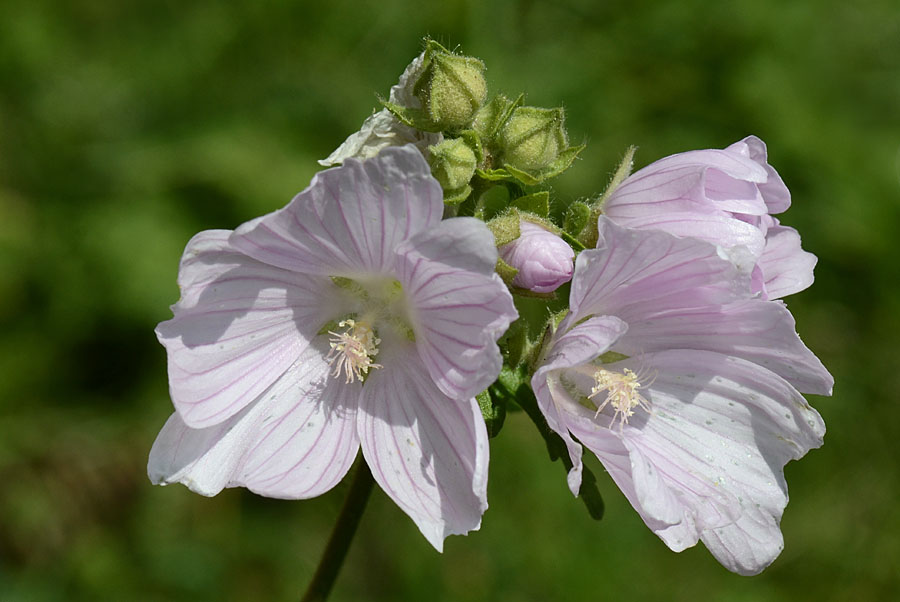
x: 126, y: 127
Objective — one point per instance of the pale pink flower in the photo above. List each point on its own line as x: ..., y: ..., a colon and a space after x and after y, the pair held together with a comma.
x: 686, y: 388
x: 544, y: 261
x: 352, y: 317
x: 726, y: 197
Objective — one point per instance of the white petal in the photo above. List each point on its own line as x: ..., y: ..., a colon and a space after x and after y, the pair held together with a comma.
x: 378, y: 132
x: 428, y: 452
x: 459, y: 306
x: 762, y: 332
x: 786, y: 267
x: 714, y: 447
x: 636, y: 272
x: 350, y: 219
x: 581, y: 344
x: 296, y: 441
x: 238, y: 326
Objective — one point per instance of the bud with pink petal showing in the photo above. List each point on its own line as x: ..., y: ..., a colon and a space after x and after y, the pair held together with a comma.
x: 544, y: 260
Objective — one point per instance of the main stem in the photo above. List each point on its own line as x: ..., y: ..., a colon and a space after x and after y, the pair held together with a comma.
x: 342, y: 535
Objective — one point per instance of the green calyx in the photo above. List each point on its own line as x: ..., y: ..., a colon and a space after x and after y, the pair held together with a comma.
x: 453, y: 165
x: 451, y: 88
x: 532, y: 138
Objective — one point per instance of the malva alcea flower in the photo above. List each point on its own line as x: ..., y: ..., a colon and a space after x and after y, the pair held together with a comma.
x: 544, y: 261
x: 686, y: 387
x: 726, y: 197
x: 353, y: 317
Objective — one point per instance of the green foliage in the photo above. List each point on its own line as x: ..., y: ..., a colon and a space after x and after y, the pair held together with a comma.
x: 125, y: 128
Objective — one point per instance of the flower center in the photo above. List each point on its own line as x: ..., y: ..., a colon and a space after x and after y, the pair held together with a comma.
x: 621, y: 393
x: 353, y: 349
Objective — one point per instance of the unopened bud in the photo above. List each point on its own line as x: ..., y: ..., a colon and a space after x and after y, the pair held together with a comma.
x: 532, y: 138
x: 452, y: 163
x: 543, y: 259
x: 452, y: 88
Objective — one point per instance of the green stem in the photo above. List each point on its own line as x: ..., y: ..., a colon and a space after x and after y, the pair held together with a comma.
x: 342, y: 535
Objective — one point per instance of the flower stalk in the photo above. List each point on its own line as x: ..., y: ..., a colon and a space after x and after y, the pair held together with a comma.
x: 341, y: 536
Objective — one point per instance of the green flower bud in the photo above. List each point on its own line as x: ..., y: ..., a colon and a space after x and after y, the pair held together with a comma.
x: 452, y: 87
x: 533, y: 138
x: 452, y: 163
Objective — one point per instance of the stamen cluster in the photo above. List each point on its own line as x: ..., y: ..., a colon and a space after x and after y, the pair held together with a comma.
x: 622, y: 393
x: 353, y: 350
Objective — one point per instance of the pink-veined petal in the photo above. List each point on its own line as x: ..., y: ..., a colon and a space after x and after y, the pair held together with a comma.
x: 635, y: 272
x: 714, y: 447
x: 717, y: 229
x: 428, y: 452
x: 763, y: 332
x: 786, y: 267
x: 458, y: 305
x: 296, y: 441
x: 238, y: 326
x: 652, y: 192
x: 581, y: 344
x: 351, y: 218
x: 774, y: 191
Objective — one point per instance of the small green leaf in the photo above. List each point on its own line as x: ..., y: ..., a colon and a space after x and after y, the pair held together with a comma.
x: 495, y: 175
x: 506, y: 271
x: 622, y: 172
x: 492, y: 202
x: 456, y: 197
x: 415, y: 118
x: 515, y: 342
x: 561, y: 164
x: 573, y: 242
x: 493, y: 411
x: 537, y: 203
x: 577, y: 217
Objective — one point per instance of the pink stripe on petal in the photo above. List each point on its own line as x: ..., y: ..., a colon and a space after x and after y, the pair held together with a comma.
x: 350, y: 219
x: 786, y: 267
x: 238, y: 326
x: 713, y: 447
x: 297, y: 440
x: 458, y: 305
x: 428, y: 452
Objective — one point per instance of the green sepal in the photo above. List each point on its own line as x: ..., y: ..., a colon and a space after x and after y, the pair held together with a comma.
x: 455, y: 197
x: 513, y: 385
x: 492, y: 202
x: 506, y: 271
x: 493, y: 411
x: 622, y: 172
x: 573, y: 242
x: 495, y: 175
x: 451, y: 87
x: 414, y: 118
x: 505, y: 228
x: 537, y: 203
x: 561, y: 164
x: 577, y: 216
x: 589, y: 235
x: 473, y: 139
x: 515, y: 343
x: 491, y: 117
x: 611, y: 357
